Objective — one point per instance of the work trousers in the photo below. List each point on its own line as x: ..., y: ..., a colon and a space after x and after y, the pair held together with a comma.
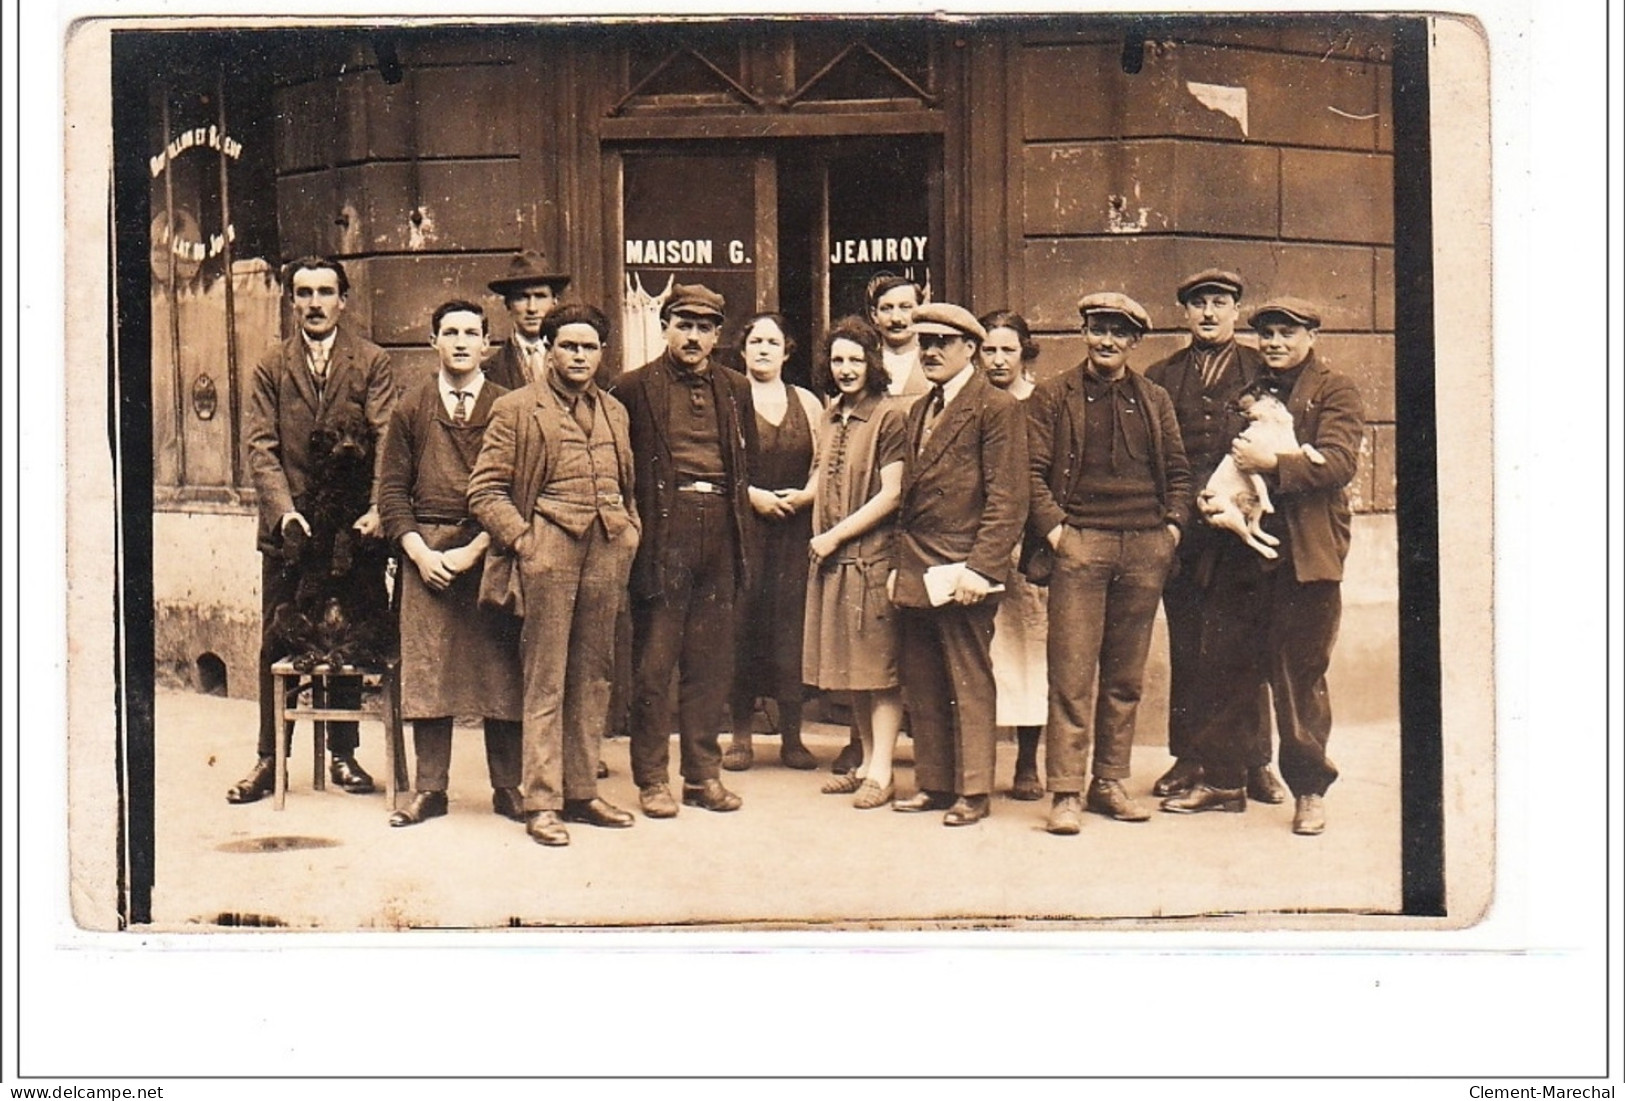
x: 1282, y: 638
x: 687, y: 627
x: 1214, y: 589
x: 431, y: 743
x: 945, y: 664
x: 1103, y: 598
x: 572, y: 586
x: 279, y: 584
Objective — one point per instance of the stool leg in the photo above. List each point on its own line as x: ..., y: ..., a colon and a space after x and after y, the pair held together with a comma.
x: 318, y: 734
x: 279, y: 694
x: 395, y: 766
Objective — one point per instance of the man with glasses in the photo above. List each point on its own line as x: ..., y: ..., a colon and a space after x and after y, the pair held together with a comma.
x: 1111, y: 492
x: 1295, y: 601
x: 963, y: 499
x: 691, y: 421
x: 553, y: 486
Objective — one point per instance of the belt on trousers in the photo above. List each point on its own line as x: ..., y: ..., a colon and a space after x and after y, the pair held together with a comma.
x: 700, y: 486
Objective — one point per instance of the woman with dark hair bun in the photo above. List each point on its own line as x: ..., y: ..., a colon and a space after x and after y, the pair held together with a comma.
x: 767, y: 643
x: 851, y: 630
x: 1021, y: 627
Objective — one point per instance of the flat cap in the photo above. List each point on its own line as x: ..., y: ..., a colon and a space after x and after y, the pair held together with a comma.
x: 947, y: 319
x: 1304, y: 313
x: 526, y: 268
x: 694, y: 300
x: 1112, y: 302
x: 1216, y: 278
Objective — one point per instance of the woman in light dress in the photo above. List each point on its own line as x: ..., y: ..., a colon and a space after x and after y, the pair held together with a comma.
x: 768, y: 637
x: 851, y: 630
x: 1021, y: 627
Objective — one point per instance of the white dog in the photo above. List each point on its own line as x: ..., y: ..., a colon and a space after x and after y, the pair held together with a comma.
x: 1237, y: 502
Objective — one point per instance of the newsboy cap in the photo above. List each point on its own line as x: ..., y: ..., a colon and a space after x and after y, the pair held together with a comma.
x: 1304, y: 313
x: 1216, y: 278
x: 947, y: 319
x: 524, y: 269
x: 694, y: 300
x: 1112, y: 302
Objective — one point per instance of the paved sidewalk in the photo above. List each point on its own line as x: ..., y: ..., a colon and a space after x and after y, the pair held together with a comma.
x: 790, y: 857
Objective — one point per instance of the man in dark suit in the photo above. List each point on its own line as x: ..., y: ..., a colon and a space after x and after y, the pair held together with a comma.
x: 1293, y: 603
x: 690, y: 420
x: 963, y: 503
x: 1204, y: 379
x: 318, y: 375
x: 530, y: 292
x: 553, y: 486
x: 1111, y: 492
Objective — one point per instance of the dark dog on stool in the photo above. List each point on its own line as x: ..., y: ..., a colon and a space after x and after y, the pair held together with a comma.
x: 340, y: 612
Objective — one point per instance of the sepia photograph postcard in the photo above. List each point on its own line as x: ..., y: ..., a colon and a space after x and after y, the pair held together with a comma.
x: 708, y: 483
x: 797, y: 168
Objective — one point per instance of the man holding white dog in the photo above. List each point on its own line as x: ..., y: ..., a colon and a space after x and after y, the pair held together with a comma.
x: 1282, y: 633
x: 1204, y: 379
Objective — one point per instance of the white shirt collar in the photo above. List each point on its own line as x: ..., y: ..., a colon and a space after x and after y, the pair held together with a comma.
x: 951, y: 388
x: 472, y: 387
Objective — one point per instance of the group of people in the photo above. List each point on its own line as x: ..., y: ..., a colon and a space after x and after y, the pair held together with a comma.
x: 934, y: 537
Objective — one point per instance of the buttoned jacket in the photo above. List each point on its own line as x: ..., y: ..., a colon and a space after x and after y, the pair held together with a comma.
x: 284, y: 407
x: 964, y: 494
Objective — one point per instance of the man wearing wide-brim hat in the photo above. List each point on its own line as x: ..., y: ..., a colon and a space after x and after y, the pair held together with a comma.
x: 1204, y: 380
x: 1111, y: 494
x: 1296, y: 600
x: 691, y: 424
x: 530, y: 290
x: 964, y: 497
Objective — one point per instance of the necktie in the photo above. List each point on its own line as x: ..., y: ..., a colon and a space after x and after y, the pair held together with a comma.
x: 459, y: 415
x: 318, y: 363
x: 583, y: 415
x: 533, y: 362
x: 933, y: 410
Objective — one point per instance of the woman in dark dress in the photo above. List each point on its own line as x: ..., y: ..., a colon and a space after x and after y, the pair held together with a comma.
x: 768, y: 638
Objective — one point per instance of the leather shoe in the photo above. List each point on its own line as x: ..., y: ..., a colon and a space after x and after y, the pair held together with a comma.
x: 1309, y: 818
x: 1108, y: 797
x: 1185, y: 775
x: 544, y: 828
x: 849, y: 758
x: 1201, y: 798
x: 596, y: 812
x: 1065, y: 814
x: 967, y: 810
x: 345, y: 773
x: 739, y: 756
x: 424, y: 805
x: 1027, y: 786
x: 711, y: 795
x: 657, y: 802
x: 260, y: 782
x: 797, y: 756
x: 508, y: 803
x: 923, y: 800
x: 1263, y: 786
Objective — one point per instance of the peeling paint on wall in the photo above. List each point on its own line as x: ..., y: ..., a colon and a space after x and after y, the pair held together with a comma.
x: 420, y: 232
x: 1223, y: 98
x: 1119, y: 219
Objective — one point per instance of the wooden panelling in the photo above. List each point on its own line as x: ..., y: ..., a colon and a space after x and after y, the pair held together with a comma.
x: 1383, y: 289
x: 1367, y: 358
x: 1383, y: 469
x: 404, y: 290
x: 305, y: 132
x: 467, y: 205
x: 1157, y: 186
x: 1327, y: 196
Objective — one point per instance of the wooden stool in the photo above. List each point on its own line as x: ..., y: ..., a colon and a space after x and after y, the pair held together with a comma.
x: 286, y: 677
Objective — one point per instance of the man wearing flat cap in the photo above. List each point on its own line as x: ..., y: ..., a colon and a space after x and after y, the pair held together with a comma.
x: 1204, y: 379
x: 1111, y: 494
x: 963, y: 500
x: 691, y: 421
x: 530, y: 292
x: 1293, y: 604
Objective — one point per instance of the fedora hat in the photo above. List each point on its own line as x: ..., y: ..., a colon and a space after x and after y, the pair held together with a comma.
x: 525, y: 268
